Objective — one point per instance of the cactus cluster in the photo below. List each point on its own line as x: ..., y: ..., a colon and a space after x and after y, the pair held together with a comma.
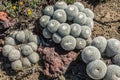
x: 55, y: 23
x: 99, y: 49
x: 21, y: 49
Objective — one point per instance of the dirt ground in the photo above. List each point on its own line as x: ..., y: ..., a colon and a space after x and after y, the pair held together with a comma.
x: 107, y: 24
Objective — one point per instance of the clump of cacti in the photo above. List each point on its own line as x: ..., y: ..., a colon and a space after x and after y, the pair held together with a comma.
x: 21, y: 49
x: 109, y: 49
x: 56, y: 19
x: 71, y: 27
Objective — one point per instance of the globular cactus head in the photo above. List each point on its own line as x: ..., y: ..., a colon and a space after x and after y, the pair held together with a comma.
x: 46, y: 33
x: 71, y: 11
x: 44, y: 20
x: 17, y: 65
x: 64, y: 29
x: 20, y: 36
x: 113, y: 73
x: 60, y: 15
x: 90, y: 53
x: 89, y: 13
x: 113, y: 47
x: 116, y: 59
x: 49, y: 10
x: 6, y: 50
x: 34, y: 38
x: 13, y: 34
x: 80, y: 18
x: 80, y: 43
x: 9, y: 41
x: 60, y: 5
x: 53, y: 26
x: 79, y: 5
x: 68, y: 43
x: 14, y: 55
x: 90, y: 23
x: 27, y: 35
x: 100, y: 43
x: 26, y: 50
x: 56, y: 38
x: 85, y: 32
x: 26, y: 63
x: 33, y: 45
x: 75, y: 30
x: 96, y: 69
x: 34, y: 57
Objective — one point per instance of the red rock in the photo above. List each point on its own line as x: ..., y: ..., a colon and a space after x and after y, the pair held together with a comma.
x: 56, y: 62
